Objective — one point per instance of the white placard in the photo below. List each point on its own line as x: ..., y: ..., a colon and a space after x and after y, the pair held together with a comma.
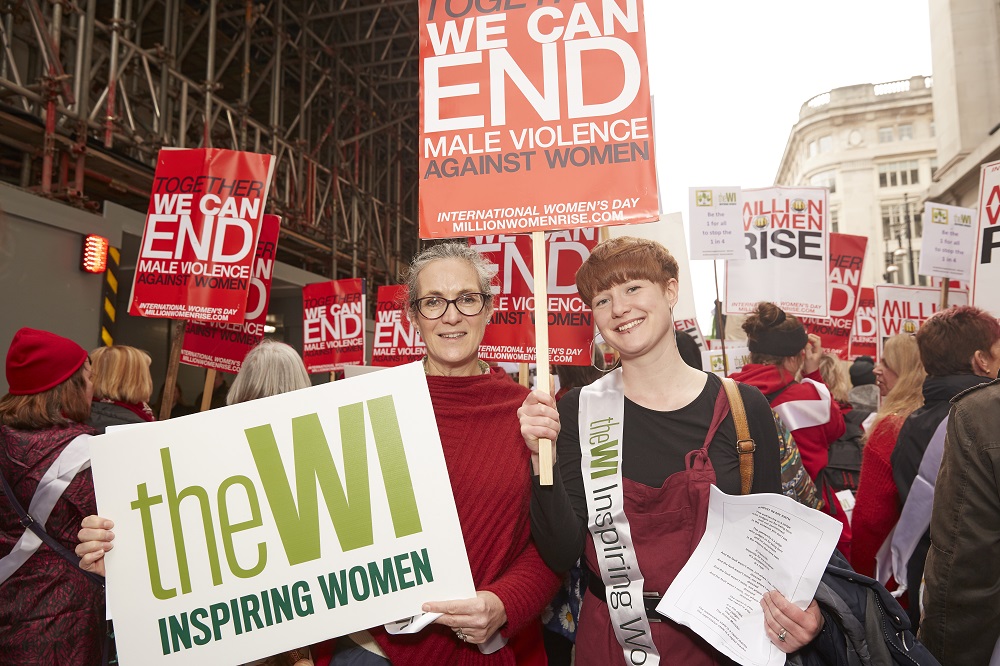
x: 949, y: 241
x: 752, y: 544
x: 986, y: 264
x: 786, y: 235
x: 715, y: 216
x: 736, y: 357
x: 902, y: 309
x: 329, y: 508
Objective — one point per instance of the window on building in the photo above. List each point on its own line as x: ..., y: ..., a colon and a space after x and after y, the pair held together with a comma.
x: 894, y: 221
x: 905, y: 132
x: 825, y: 144
x: 813, y: 149
x: 895, y: 174
x: 885, y: 135
x: 933, y: 166
x: 834, y: 220
x: 932, y: 129
x: 826, y: 179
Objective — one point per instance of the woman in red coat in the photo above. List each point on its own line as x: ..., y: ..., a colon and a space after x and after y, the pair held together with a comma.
x: 779, y: 350
x: 900, y: 378
x: 49, y: 612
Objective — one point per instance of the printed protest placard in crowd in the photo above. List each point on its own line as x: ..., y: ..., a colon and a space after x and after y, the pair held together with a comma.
x: 223, y: 347
x: 510, y: 336
x: 333, y: 324
x: 225, y: 549
x: 716, y: 218
x: 533, y: 117
x: 786, y: 235
x: 736, y: 357
x: 396, y: 342
x: 197, y: 253
x: 847, y: 259
x: 986, y: 266
x: 864, y: 334
x: 691, y: 327
x: 903, y: 309
x: 949, y: 241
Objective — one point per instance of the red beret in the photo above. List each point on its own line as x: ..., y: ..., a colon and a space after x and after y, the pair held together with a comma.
x: 39, y: 360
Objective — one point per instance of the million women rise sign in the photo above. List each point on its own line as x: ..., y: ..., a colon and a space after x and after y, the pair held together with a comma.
x: 535, y: 116
x: 197, y: 253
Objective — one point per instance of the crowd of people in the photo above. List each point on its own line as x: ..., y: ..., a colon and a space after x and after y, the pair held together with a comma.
x: 920, y: 514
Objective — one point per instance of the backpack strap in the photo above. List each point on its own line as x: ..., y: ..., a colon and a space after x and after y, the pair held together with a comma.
x: 745, y: 445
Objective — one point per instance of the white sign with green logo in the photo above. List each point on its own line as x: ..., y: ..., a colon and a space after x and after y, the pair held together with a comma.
x: 949, y: 242
x: 276, y: 523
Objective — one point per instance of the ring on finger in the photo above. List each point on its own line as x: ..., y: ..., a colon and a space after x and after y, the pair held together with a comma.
x: 781, y: 636
x: 462, y: 637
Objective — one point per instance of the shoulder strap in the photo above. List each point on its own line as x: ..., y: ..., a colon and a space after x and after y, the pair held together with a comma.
x: 774, y: 394
x: 38, y: 530
x: 745, y: 445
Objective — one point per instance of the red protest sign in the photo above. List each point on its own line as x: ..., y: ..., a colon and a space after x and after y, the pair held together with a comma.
x: 864, y: 334
x: 847, y: 259
x: 197, y: 251
x: 224, y: 346
x: 510, y: 336
x: 549, y: 102
x: 333, y: 325
x: 396, y: 342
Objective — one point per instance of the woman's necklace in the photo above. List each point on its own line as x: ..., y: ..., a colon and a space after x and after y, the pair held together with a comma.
x: 484, y: 367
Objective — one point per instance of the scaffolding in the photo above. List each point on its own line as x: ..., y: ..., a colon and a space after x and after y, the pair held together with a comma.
x: 90, y: 91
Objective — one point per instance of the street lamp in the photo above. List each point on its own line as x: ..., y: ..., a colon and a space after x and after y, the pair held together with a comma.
x: 907, y: 231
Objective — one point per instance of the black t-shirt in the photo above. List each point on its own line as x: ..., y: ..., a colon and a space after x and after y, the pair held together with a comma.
x: 654, y: 447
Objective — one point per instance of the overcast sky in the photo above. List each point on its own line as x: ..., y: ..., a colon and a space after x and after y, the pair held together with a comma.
x: 728, y: 78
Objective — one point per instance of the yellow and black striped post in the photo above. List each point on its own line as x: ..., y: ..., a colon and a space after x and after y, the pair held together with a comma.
x: 109, y: 297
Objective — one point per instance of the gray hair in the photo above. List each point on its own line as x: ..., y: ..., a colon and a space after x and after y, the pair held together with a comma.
x: 484, y: 270
x: 270, y: 368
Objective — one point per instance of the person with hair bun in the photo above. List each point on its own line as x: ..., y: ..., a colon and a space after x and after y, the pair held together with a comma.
x: 122, y: 387
x: 780, y: 349
x: 50, y: 613
x: 670, y: 429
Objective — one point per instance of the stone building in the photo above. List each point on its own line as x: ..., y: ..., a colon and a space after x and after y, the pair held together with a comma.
x: 874, y: 147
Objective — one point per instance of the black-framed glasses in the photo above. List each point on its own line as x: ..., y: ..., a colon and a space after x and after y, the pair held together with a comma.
x: 434, y: 307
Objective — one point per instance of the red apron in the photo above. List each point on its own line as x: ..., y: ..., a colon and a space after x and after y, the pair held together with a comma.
x: 666, y: 525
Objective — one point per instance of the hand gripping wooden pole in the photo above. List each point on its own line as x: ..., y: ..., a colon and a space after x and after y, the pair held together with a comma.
x: 541, y: 345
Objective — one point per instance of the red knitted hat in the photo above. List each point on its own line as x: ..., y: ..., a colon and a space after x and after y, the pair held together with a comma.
x: 38, y: 360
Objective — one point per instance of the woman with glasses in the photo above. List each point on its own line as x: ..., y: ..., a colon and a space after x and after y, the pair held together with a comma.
x: 475, y: 407
x: 899, y: 375
x: 674, y: 439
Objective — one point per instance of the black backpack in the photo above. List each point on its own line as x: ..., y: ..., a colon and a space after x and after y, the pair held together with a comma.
x: 843, y: 467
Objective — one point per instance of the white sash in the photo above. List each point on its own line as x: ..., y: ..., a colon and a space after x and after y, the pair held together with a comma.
x: 73, y: 459
x: 602, y: 412
x: 894, y: 556
x: 805, y: 413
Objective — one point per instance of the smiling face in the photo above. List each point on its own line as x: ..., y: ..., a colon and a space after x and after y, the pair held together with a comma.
x: 453, y: 339
x: 634, y: 316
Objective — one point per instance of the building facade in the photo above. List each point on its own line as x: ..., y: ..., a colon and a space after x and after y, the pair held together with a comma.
x: 874, y: 147
x: 965, y: 52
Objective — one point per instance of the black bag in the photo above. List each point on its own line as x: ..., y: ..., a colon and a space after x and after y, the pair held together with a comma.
x: 843, y: 466
x: 873, y: 628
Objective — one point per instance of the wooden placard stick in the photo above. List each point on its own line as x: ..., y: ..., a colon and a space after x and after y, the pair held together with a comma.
x: 945, y: 285
x: 718, y: 319
x: 209, y: 391
x: 541, y: 344
x: 524, y: 375
x: 177, y: 328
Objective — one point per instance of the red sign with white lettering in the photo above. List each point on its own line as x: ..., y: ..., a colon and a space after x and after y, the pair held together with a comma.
x: 223, y: 347
x: 396, y: 342
x: 197, y: 252
x: 510, y: 336
x: 864, y: 334
x: 333, y: 324
x: 847, y: 259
